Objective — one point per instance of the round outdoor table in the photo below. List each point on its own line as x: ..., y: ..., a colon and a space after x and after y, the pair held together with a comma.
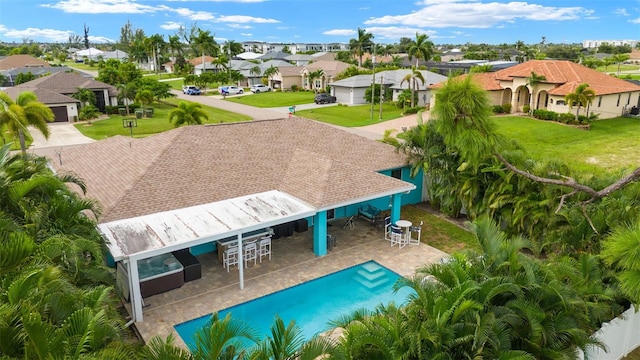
x: 405, y: 225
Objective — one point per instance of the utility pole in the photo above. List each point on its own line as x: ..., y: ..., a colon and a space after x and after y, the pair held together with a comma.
x: 381, y: 95
x: 373, y: 80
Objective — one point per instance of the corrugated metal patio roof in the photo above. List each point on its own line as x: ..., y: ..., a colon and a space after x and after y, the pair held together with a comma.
x: 149, y: 235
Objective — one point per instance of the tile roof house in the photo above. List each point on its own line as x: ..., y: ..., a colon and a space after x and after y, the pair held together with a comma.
x: 509, y: 86
x: 55, y: 91
x: 151, y: 187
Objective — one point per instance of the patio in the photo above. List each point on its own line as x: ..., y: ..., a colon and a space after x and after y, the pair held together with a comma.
x: 293, y: 262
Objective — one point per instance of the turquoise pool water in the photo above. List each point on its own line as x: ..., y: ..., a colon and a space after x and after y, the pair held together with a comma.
x: 313, y: 303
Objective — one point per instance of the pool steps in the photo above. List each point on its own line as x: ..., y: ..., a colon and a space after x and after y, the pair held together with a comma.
x: 371, y: 276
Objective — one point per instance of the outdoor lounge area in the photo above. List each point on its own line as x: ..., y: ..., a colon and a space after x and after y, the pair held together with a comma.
x: 293, y: 262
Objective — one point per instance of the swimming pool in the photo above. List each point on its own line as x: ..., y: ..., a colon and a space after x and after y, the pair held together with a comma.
x: 313, y: 303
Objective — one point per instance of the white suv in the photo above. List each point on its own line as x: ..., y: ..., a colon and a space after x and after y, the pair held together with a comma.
x: 260, y: 88
x: 230, y: 90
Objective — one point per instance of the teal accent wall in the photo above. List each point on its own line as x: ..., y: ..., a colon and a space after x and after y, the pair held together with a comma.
x: 414, y: 196
x: 203, y: 248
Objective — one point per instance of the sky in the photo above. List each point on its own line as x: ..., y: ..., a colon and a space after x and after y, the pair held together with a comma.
x: 326, y: 21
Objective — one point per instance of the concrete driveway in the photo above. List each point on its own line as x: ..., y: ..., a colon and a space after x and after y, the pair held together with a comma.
x: 60, y: 134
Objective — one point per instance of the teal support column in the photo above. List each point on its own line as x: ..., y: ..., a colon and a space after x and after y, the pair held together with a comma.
x: 396, y: 204
x: 320, y: 233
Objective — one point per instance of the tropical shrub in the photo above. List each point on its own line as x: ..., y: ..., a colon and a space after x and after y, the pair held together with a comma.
x: 412, y: 110
x: 526, y: 108
x: 498, y: 109
x: 507, y: 108
x: 566, y: 118
x: 294, y: 87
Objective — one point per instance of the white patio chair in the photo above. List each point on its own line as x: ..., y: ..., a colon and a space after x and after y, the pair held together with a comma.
x: 418, y: 230
x: 387, y: 228
x: 264, y: 247
x: 250, y: 253
x: 397, y: 236
x: 230, y: 257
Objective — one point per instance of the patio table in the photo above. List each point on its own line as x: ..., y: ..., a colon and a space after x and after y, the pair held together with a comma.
x: 405, y: 225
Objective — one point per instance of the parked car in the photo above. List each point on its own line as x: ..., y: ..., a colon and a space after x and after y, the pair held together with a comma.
x: 191, y: 90
x: 256, y: 88
x: 230, y: 90
x: 324, y: 99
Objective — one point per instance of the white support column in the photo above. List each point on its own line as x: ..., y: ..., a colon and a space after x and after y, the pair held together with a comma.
x: 240, y: 261
x: 135, y: 296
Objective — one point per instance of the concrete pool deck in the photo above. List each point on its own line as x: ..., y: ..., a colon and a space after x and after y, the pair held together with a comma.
x: 292, y: 263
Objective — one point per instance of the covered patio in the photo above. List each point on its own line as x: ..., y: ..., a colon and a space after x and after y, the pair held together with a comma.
x: 293, y: 262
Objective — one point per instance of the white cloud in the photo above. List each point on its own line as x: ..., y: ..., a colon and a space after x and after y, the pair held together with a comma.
x: 100, y: 39
x: 239, y: 26
x: 635, y: 21
x: 282, y: 27
x: 171, y: 25
x: 35, y: 33
x: 622, y: 12
x: 194, y: 15
x: 234, y: 1
x: 364, y: 8
x: 340, y: 32
x: 395, y: 33
x: 103, y: 7
x: 246, y: 19
x: 246, y: 34
x: 448, y: 13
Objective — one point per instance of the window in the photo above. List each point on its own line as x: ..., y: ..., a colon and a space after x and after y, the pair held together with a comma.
x: 551, y: 101
x: 618, y: 102
x: 396, y: 173
x: 560, y: 102
x: 629, y: 99
x: 599, y: 101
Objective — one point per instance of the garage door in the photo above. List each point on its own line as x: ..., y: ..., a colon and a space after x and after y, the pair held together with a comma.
x: 60, y: 113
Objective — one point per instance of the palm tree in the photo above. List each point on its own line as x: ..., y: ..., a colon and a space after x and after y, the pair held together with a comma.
x: 420, y: 48
x: 269, y: 73
x: 619, y: 59
x: 175, y: 45
x: 145, y: 97
x: 312, y: 75
x: 582, y: 95
x: 126, y: 94
x: 412, y: 79
x: 85, y: 96
x: 532, y: 82
x: 255, y: 71
x: 622, y: 251
x: 204, y: 42
x: 223, y: 339
x: 25, y: 111
x: 362, y: 42
x: 188, y: 113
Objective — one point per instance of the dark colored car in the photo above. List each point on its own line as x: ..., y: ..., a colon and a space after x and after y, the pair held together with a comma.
x: 324, y: 99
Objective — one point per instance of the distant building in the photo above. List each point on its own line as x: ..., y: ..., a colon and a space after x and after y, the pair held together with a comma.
x: 593, y: 44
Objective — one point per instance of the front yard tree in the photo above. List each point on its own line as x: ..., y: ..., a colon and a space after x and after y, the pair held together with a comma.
x: 85, y: 96
x: 412, y: 79
x: 269, y: 73
x: 359, y: 44
x: 421, y: 48
x: 532, y: 83
x: 26, y: 111
x: 582, y: 96
x: 189, y: 113
x: 619, y: 59
x: 204, y: 43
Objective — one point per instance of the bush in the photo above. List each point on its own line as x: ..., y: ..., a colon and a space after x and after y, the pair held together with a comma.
x: 111, y: 110
x: 526, y: 108
x: 412, y: 110
x: 498, y: 109
x: 567, y: 118
x: 545, y: 114
x: 507, y: 108
x: 294, y: 87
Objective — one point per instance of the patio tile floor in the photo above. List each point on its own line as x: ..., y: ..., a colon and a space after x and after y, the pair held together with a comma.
x: 292, y: 263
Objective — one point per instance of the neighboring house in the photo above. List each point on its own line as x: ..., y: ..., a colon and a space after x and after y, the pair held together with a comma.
x: 351, y: 90
x: 64, y: 108
x: 273, y: 55
x: 198, y: 62
x: 117, y: 54
x: 66, y: 84
x: 298, y: 75
x: 304, y: 59
x: 21, y: 61
x: 90, y: 53
x: 159, y: 203
x: 250, y: 78
x: 10, y: 76
x: 248, y: 55
x: 509, y: 86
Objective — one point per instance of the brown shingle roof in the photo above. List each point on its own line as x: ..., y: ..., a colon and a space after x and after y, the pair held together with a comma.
x: 45, y: 96
x: 67, y: 83
x: 330, y: 67
x: 317, y: 163
x: 567, y: 75
x: 290, y: 70
x: 18, y: 61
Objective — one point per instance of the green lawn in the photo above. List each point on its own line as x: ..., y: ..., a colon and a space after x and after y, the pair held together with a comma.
x: 610, y: 144
x: 351, y: 116
x: 439, y: 232
x: 148, y: 126
x: 274, y: 99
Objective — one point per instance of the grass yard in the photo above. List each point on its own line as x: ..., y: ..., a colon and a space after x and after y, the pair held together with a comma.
x: 610, y: 144
x: 274, y: 99
x: 112, y: 126
x: 351, y: 116
x: 439, y: 232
